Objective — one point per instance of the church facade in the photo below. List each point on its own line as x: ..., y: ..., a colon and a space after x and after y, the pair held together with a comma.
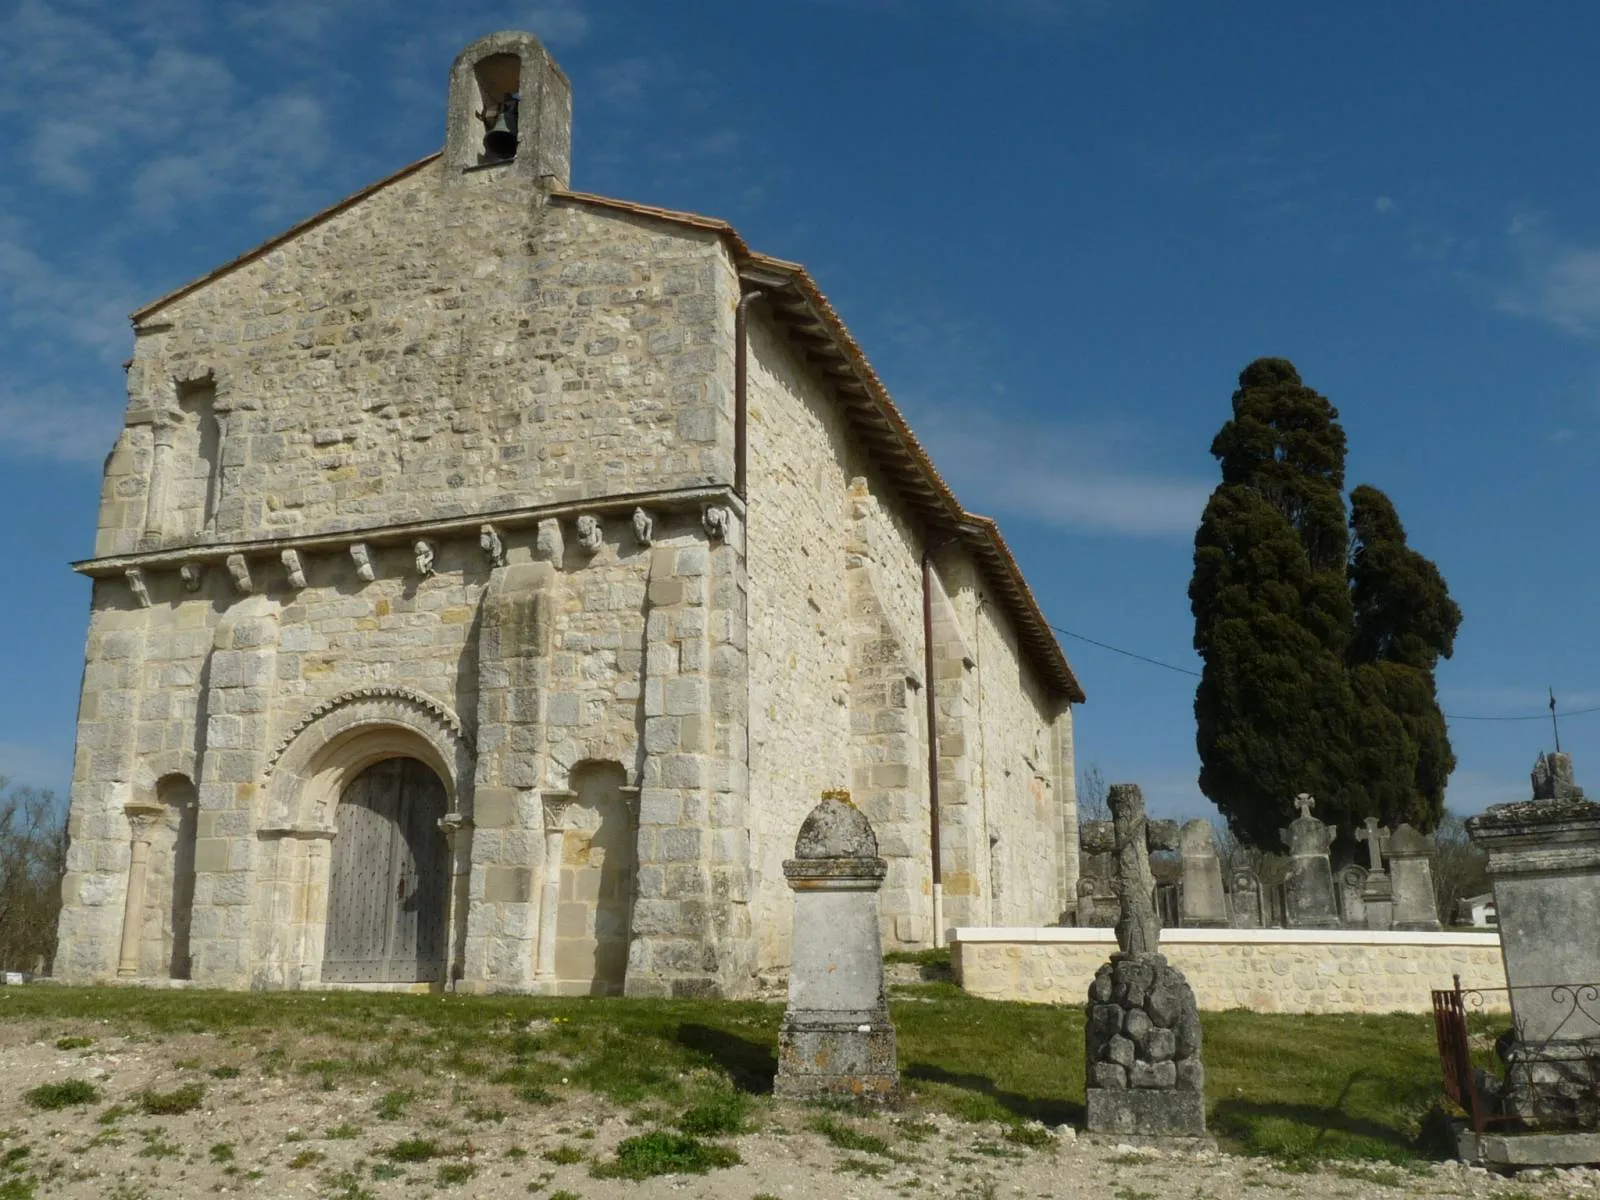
x: 490, y: 577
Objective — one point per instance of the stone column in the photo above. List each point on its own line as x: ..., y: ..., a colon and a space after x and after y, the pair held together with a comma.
x: 836, y: 1038
x: 550, y: 898
x: 1544, y: 864
x: 142, y: 820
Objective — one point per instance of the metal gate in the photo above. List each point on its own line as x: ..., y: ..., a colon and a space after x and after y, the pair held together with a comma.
x: 388, y: 880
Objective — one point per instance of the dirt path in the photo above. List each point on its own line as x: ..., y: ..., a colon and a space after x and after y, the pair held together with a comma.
x: 259, y: 1133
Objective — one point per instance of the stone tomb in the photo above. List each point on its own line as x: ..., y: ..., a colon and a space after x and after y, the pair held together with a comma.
x: 836, y: 1038
x: 1411, y: 876
x: 1142, y: 1039
x: 1203, y: 903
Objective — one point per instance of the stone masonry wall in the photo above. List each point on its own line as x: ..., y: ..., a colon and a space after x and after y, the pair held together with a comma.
x: 1358, y: 973
x: 451, y: 341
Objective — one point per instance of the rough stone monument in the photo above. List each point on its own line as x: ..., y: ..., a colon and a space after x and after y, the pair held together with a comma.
x: 1544, y: 864
x: 1142, y: 1040
x: 1203, y: 902
x: 836, y: 1038
x: 1411, y: 875
x: 1244, y: 900
x: 1377, y: 895
x: 1308, y: 896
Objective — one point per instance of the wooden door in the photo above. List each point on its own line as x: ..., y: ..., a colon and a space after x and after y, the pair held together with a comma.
x: 388, y: 881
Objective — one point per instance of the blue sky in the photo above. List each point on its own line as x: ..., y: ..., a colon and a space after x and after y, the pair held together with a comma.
x: 1059, y: 229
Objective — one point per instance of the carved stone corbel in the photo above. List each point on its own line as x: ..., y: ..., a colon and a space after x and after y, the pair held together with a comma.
x: 192, y: 574
x: 423, y: 550
x: 489, y: 541
x: 548, y: 544
x: 363, y: 560
x: 644, y: 527
x: 295, y: 569
x: 239, y: 568
x: 716, y: 521
x: 135, y: 578
x: 591, y: 536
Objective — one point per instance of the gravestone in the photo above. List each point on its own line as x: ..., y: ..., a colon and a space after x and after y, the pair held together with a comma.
x: 1142, y: 1039
x: 1097, y: 892
x: 1411, y: 875
x: 1308, y: 897
x: 836, y: 1038
x: 1203, y: 902
x: 1244, y: 900
x: 1544, y: 865
x: 1377, y: 896
x: 1352, y: 884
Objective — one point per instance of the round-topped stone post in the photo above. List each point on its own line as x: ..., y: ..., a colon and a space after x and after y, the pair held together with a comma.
x: 837, y: 1039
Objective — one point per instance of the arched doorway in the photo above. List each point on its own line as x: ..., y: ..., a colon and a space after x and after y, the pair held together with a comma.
x: 389, y: 877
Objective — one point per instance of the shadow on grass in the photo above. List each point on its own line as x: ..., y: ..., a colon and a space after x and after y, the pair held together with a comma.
x: 1025, y: 1108
x: 1310, y: 1130
x: 751, y: 1065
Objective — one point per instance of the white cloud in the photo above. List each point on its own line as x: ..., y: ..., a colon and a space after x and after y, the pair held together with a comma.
x: 1554, y: 280
x: 77, y: 300
x: 1080, y: 477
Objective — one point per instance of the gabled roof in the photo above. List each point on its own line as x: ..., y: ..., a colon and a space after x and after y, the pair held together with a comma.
x: 816, y: 330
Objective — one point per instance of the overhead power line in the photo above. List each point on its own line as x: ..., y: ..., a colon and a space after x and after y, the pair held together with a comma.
x: 1166, y: 666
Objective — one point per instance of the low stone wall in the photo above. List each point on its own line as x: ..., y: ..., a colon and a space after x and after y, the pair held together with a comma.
x: 1264, y: 970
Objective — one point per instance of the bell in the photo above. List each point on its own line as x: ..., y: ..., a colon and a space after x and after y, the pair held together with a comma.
x: 501, y: 140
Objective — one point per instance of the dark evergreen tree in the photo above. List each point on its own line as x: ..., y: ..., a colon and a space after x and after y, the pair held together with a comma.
x: 1405, y: 622
x: 1319, y: 650
x: 1272, y: 609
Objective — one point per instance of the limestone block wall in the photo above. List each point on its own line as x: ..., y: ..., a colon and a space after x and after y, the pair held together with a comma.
x: 1264, y: 970
x: 452, y: 340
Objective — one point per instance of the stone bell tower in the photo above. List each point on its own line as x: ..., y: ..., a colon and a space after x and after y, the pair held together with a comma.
x: 510, y: 109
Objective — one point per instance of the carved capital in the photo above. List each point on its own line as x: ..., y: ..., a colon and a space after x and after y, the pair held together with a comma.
x: 143, y: 818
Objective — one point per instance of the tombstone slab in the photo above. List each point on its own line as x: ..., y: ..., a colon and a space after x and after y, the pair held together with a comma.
x: 1411, y: 876
x: 1204, y: 903
x: 1309, y: 901
x: 1244, y: 900
x: 836, y: 1038
x: 1352, y: 886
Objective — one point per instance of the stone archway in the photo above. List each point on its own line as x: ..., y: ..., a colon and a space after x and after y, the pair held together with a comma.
x: 326, y: 753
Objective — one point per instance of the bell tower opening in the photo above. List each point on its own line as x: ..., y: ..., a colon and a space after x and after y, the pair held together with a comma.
x: 510, y: 110
x: 499, y: 81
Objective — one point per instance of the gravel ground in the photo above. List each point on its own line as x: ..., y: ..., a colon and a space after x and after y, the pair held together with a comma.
x: 268, y: 1134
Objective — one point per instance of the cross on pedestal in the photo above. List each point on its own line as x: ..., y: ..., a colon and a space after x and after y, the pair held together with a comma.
x: 1375, y: 839
x: 1305, y: 804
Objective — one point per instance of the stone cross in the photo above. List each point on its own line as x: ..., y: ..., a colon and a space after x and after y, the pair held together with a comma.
x: 1375, y: 839
x: 1138, y: 931
x: 836, y: 1038
x: 1305, y: 803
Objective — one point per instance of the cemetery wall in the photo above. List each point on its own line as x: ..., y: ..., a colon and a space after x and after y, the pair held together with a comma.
x: 1264, y: 970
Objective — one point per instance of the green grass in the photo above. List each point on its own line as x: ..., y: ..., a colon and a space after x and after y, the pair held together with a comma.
x: 413, y: 1150
x: 721, y: 1112
x: 451, y: 1173
x: 1290, y: 1087
x: 563, y: 1155
x: 663, y: 1153
x: 846, y: 1137
x: 174, y: 1103
x: 51, y: 1096
x: 73, y: 1043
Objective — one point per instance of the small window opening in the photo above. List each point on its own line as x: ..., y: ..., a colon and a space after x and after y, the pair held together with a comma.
x: 499, y: 79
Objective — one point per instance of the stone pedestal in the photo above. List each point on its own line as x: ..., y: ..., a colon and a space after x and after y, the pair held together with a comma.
x: 1544, y: 864
x: 836, y: 1038
x: 1142, y: 1050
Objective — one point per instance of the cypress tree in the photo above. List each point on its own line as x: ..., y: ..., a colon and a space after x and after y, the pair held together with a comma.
x: 1319, y: 642
x: 1272, y: 609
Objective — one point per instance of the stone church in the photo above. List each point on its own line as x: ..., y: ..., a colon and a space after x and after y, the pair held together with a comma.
x: 489, y: 578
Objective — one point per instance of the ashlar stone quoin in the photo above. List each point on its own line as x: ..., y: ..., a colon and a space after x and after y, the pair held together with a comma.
x: 836, y: 1038
x: 1142, y: 1038
x: 601, y: 522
